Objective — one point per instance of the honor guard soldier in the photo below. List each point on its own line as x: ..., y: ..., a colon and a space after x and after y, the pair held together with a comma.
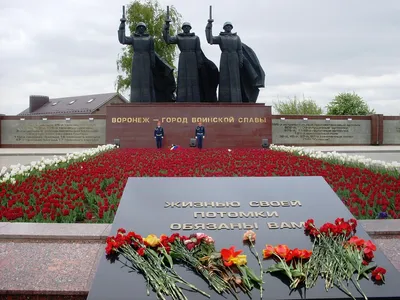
x: 159, y: 135
x: 200, y: 134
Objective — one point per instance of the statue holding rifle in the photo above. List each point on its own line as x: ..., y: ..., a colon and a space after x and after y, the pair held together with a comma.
x: 151, y: 78
x: 197, y: 76
x: 241, y: 74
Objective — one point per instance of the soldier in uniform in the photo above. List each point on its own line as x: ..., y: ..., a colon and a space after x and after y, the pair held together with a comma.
x: 200, y: 134
x: 159, y: 135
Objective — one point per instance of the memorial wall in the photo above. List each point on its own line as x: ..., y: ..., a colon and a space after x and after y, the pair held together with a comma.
x: 46, y: 132
x: 391, y: 130
x: 321, y: 131
x: 226, y: 127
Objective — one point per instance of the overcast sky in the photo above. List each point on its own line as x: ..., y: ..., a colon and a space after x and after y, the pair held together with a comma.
x: 310, y: 47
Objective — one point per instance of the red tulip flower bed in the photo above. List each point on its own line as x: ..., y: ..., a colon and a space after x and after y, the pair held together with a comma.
x: 90, y: 191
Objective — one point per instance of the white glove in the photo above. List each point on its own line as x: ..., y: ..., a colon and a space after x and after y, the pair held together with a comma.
x: 162, y: 137
x: 196, y: 137
x: 204, y: 137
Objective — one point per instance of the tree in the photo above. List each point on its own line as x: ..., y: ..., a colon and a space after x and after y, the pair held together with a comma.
x: 349, y: 104
x: 151, y: 13
x: 297, y: 107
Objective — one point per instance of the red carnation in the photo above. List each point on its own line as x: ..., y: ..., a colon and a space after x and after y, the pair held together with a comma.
x: 378, y: 274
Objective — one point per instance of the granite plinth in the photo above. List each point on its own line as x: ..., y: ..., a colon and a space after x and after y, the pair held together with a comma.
x: 142, y: 209
x: 36, y: 267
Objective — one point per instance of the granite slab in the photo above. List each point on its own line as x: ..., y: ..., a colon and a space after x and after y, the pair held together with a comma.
x: 146, y: 209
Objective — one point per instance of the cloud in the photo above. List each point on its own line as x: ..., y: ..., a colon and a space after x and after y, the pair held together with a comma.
x: 310, y: 47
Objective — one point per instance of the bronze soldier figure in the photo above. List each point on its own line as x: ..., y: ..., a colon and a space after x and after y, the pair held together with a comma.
x: 152, y: 79
x: 197, y: 76
x: 241, y: 74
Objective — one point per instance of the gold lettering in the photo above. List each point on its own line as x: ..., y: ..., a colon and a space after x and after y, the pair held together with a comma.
x: 175, y: 226
x: 272, y: 214
x: 240, y: 120
x: 113, y: 120
x: 272, y: 225
x: 187, y: 226
x: 199, y: 226
x: 223, y: 226
x: 235, y: 225
x: 231, y: 119
x: 246, y: 214
x: 210, y: 214
x: 285, y: 225
x: 233, y: 214
x: 299, y: 225
x: 211, y: 226
x: 275, y: 203
x: 197, y: 213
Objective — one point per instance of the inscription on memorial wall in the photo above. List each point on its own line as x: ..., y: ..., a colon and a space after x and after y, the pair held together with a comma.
x: 391, y: 132
x: 231, y: 216
x: 186, y: 120
x: 321, y: 131
x: 53, y: 132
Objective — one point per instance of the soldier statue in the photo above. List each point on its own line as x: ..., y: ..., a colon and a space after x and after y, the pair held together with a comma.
x: 151, y: 79
x: 197, y: 76
x: 200, y: 134
x: 159, y: 135
x: 241, y: 74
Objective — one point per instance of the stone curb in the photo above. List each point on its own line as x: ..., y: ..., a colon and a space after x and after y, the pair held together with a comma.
x: 35, y: 154
x: 360, y: 151
x: 99, y: 232
x: 54, y: 231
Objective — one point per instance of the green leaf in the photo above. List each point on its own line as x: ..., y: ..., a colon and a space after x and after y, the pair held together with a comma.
x: 366, y: 269
x: 253, y: 276
x: 170, y: 262
x: 277, y: 267
x: 297, y: 273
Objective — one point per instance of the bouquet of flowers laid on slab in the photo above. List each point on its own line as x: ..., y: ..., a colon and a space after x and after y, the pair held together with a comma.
x: 339, y: 256
x: 290, y: 262
x: 150, y: 257
x: 154, y: 257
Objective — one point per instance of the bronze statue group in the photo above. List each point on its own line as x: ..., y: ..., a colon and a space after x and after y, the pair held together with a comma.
x: 239, y: 77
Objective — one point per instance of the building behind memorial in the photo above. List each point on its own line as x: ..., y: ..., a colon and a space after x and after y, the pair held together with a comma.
x: 70, y: 106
